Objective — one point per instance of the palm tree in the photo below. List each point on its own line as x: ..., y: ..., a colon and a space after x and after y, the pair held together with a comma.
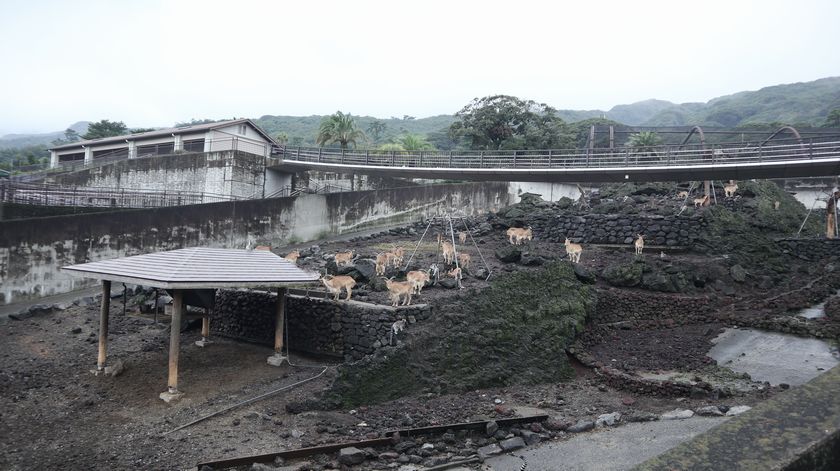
x: 340, y: 128
x: 414, y: 142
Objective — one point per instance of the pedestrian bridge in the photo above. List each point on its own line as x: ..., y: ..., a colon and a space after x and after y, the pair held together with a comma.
x: 815, y: 157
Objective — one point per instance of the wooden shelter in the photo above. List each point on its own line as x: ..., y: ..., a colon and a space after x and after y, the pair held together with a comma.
x: 191, y: 272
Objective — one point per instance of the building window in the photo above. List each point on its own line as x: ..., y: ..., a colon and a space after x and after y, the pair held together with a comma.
x: 156, y: 149
x: 67, y: 158
x: 121, y: 153
x: 194, y: 145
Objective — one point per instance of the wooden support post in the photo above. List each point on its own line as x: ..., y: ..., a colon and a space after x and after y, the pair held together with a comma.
x: 279, y: 328
x: 103, y: 324
x: 707, y: 187
x: 205, y: 329
x: 174, y: 346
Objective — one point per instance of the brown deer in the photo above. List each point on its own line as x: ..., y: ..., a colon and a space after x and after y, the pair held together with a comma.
x: 399, y: 290
x: 464, y: 260
x: 335, y: 284
x: 462, y: 237
x: 382, y: 260
x: 730, y: 189
x: 343, y: 258
x: 448, y: 252
x: 292, y: 256
x: 418, y: 279
x: 640, y: 244
x: 573, y: 251
x: 698, y: 202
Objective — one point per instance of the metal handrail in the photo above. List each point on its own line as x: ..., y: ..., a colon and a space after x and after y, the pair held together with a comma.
x: 659, y: 156
x: 57, y: 195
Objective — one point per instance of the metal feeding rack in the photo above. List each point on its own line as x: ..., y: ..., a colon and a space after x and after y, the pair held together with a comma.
x: 448, y: 221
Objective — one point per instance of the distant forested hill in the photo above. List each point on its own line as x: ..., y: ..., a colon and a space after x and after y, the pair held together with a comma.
x: 796, y: 103
x: 304, y: 129
x: 14, y: 141
x: 806, y: 103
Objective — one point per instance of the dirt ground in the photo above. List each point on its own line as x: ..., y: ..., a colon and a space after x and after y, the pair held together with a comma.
x: 56, y: 414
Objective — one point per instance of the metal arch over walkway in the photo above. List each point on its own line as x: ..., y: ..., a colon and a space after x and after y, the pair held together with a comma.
x: 819, y: 156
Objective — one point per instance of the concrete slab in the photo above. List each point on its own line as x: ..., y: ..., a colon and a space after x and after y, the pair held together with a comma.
x: 773, y: 357
x: 168, y: 396
x: 612, y: 449
x: 276, y: 360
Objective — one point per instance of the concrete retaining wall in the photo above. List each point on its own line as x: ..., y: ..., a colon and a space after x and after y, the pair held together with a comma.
x: 229, y: 173
x: 32, y: 250
x: 344, y: 329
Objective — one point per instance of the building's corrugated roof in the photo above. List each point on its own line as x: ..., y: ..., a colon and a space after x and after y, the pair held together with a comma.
x: 198, y: 267
x: 163, y: 132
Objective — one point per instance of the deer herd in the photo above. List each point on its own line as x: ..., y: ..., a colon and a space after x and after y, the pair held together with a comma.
x: 401, y: 292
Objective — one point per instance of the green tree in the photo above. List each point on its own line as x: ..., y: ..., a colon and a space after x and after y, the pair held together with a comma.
x: 339, y: 128
x: 644, y: 143
x: 139, y: 130
x: 281, y: 138
x: 70, y: 135
x: 376, y: 129
x: 105, y: 128
x: 833, y: 119
x: 507, y: 122
x: 391, y: 146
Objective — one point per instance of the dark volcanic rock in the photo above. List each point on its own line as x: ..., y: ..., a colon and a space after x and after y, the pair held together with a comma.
x: 509, y: 254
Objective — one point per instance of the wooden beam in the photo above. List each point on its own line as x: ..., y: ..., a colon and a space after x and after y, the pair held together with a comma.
x: 281, y: 320
x: 175, y: 338
x: 103, y: 324
x: 205, y: 324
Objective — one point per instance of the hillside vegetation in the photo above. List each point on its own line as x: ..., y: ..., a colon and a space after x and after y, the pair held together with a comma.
x: 806, y: 103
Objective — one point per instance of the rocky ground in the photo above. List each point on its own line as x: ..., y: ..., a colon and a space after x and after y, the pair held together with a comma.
x: 55, y: 414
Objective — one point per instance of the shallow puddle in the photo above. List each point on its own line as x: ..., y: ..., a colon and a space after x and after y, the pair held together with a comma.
x: 769, y: 356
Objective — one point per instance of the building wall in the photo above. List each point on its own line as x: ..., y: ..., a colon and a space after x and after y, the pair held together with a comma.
x: 222, y: 173
x: 33, y: 250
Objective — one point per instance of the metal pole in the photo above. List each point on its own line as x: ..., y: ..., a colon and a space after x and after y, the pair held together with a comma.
x: 125, y: 297
x: 103, y: 324
x: 454, y: 248
x: 418, y: 245
x: 489, y: 270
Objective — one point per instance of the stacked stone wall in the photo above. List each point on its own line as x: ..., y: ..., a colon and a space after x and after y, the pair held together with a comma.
x: 343, y: 329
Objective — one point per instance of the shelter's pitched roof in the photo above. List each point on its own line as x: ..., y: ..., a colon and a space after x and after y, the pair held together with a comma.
x: 165, y: 132
x: 198, y: 267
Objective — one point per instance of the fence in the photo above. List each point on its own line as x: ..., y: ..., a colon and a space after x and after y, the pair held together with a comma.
x: 55, y: 195
x: 672, y: 155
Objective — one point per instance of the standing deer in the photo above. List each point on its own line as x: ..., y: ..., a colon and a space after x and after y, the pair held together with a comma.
x: 418, y: 279
x: 464, y: 260
x: 640, y: 244
x: 343, y: 258
x: 399, y: 290
x: 448, y: 252
x: 381, y: 263
x: 462, y: 237
x: 335, y: 284
x: 573, y: 251
x: 730, y: 189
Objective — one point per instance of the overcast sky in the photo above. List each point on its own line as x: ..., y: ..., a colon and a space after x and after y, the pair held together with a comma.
x: 152, y: 63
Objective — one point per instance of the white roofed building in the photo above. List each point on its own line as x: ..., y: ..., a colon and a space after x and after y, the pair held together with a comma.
x: 237, y: 135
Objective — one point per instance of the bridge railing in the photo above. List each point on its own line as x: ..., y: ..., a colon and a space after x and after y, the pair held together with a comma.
x: 685, y: 155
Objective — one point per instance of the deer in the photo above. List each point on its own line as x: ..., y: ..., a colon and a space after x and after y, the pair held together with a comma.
x: 399, y: 290
x: 464, y: 260
x: 418, y: 279
x: 292, y: 256
x: 343, y: 258
x: 682, y: 194
x: 640, y: 244
x: 399, y: 254
x: 518, y: 234
x: 448, y: 252
x: 698, y: 202
x: 573, y: 251
x: 335, y: 284
x: 382, y: 260
x: 462, y: 237
x: 776, y: 205
x: 457, y: 274
x: 730, y: 189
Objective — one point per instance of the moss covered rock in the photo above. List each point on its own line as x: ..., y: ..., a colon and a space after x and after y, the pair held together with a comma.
x: 514, y: 332
x: 624, y: 274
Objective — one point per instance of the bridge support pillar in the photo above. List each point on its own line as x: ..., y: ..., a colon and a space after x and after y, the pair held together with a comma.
x: 707, y: 188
